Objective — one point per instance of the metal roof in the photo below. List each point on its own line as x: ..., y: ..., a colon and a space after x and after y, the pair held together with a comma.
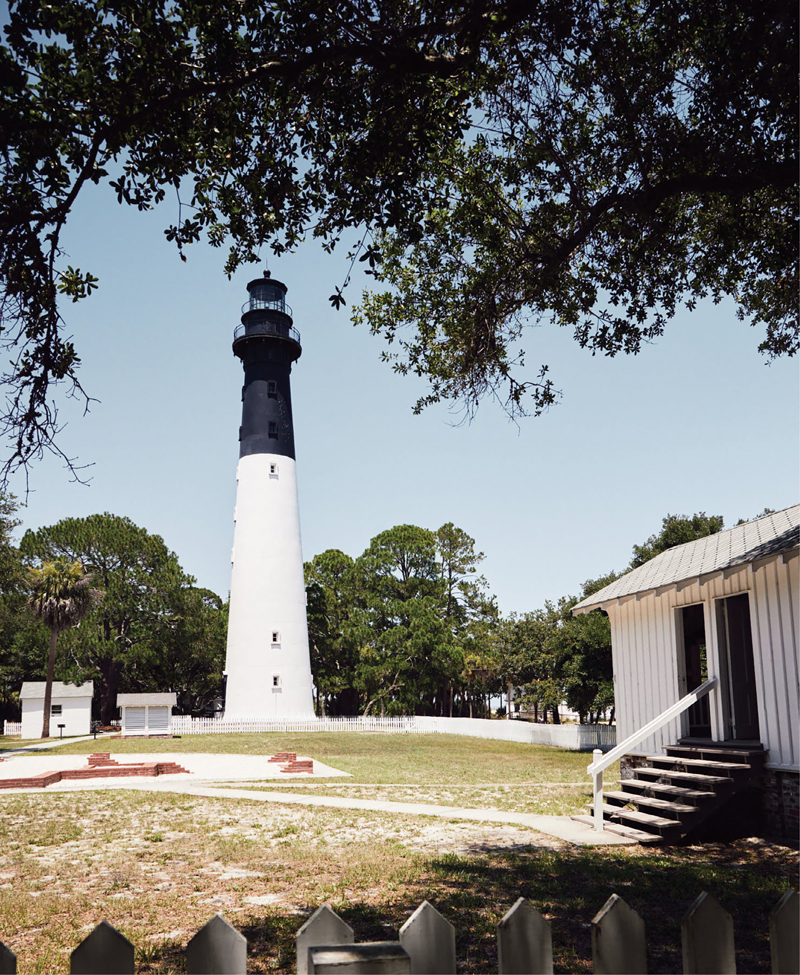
x: 34, y: 690
x: 166, y: 699
x: 740, y: 545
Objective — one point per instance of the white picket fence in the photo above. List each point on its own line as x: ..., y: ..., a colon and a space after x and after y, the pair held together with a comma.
x: 427, y: 944
x: 576, y: 737
x: 12, y: 728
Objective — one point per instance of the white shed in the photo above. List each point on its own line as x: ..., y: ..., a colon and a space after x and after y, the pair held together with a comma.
x: 147, y: 714
x: 725, y: 606
x: 70, y: 705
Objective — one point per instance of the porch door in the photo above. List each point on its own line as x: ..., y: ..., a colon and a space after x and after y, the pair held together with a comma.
x: 736, y: 642
x: 698, y: 720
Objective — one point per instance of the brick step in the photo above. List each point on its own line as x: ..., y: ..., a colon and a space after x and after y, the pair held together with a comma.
x: 32, y: 781
x: 283, y: 757
x: 115, y: 771
x: 102, y: 758
x: 699, y: 763
x: 676, y: 791
x: 643, y: 819
x: 621, y: 830
x: 663, y: 804
x: 302, y: 766
x: 171, y: 768
x: 701, y: 777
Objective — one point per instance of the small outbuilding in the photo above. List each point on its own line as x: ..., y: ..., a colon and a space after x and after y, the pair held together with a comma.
x: 724, y: 607
x: 147, y: 714
x: 70, y: 706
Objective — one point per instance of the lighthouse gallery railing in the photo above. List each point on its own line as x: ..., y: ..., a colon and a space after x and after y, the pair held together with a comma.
x: 266, y: 328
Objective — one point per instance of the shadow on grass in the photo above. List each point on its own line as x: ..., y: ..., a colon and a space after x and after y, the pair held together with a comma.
x: 569, y: 887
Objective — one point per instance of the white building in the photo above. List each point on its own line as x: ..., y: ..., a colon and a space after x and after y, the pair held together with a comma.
x: 267, y: 665
x: 146, y: 714
x: 725, y: 606
x: 70, y: 706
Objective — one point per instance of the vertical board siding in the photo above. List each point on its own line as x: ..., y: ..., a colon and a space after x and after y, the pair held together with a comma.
x: 775, y: 586
x: 645, y: 653
x: 762, y: 617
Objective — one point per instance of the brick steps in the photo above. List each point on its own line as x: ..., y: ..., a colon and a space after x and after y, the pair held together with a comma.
x: 289, y: 762
x: 101, y: 766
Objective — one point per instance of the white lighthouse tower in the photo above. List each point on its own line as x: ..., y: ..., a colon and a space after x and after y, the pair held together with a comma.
x: 268, y: 672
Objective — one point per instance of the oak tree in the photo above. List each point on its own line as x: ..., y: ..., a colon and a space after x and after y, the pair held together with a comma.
x: 588, y: 163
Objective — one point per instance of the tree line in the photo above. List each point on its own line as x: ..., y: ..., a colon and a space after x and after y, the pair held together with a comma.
x: 407, y: 627
x: 150, y: 629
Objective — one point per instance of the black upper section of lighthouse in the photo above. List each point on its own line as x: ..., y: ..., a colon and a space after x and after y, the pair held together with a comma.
x: 267, y: 344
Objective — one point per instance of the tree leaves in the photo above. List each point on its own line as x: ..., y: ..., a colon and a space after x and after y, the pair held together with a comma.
x: 393, y: 630
x: 586, y: 164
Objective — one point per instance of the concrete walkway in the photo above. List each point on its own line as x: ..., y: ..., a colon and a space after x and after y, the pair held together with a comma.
x: 55, y: 743
x: 561, y: 827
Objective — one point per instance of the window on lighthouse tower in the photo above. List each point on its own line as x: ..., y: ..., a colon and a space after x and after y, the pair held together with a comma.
x: 273, y: 430
x: 272, y: 390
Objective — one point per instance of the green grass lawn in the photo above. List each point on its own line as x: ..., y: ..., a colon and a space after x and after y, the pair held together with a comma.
x: 381, y: 758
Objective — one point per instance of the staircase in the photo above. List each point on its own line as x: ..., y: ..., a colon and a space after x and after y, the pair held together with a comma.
x: 664, y: 803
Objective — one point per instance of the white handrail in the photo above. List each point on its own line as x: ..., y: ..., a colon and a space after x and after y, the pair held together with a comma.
x: 601, y: 762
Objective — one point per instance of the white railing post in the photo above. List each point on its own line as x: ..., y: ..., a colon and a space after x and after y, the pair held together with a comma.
x: 597, y: 790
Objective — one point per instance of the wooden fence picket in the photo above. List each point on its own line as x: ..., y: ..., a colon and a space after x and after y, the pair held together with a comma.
x: 707, y: 935
x: 524, y: 942
x: 367, y: 958
x: 8, y: 961
x: 104, y: 952
x: 430, y: 940
x: 325, y: 943
x: 324, y: 927
x: 784, y: 934
x: 217, y: 949
x: 618, y: 944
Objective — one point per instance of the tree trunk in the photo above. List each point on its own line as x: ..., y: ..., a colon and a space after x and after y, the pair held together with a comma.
x: 451, y: 700
x: 611, y: 719
x: 108, y: 704
x: 556, y: 715
x: 508, y: 702
x: 48, y: 687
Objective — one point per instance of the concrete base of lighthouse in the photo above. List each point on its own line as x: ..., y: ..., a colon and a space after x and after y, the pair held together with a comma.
x: 267, y: 663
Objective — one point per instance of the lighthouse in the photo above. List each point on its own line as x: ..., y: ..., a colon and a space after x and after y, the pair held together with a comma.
x: 267, y: 668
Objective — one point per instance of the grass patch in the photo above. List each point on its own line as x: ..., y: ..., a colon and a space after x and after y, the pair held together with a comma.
x: 532, y: 798
x: 384, y: 759
x: 266, y: 867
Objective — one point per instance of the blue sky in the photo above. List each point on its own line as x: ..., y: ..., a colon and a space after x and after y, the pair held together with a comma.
x: 697, y: 422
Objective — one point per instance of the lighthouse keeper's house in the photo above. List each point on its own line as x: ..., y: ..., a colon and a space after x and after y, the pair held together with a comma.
x: 727, y: 607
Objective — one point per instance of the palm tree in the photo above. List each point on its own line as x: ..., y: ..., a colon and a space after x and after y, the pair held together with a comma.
x: 61, y: 598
